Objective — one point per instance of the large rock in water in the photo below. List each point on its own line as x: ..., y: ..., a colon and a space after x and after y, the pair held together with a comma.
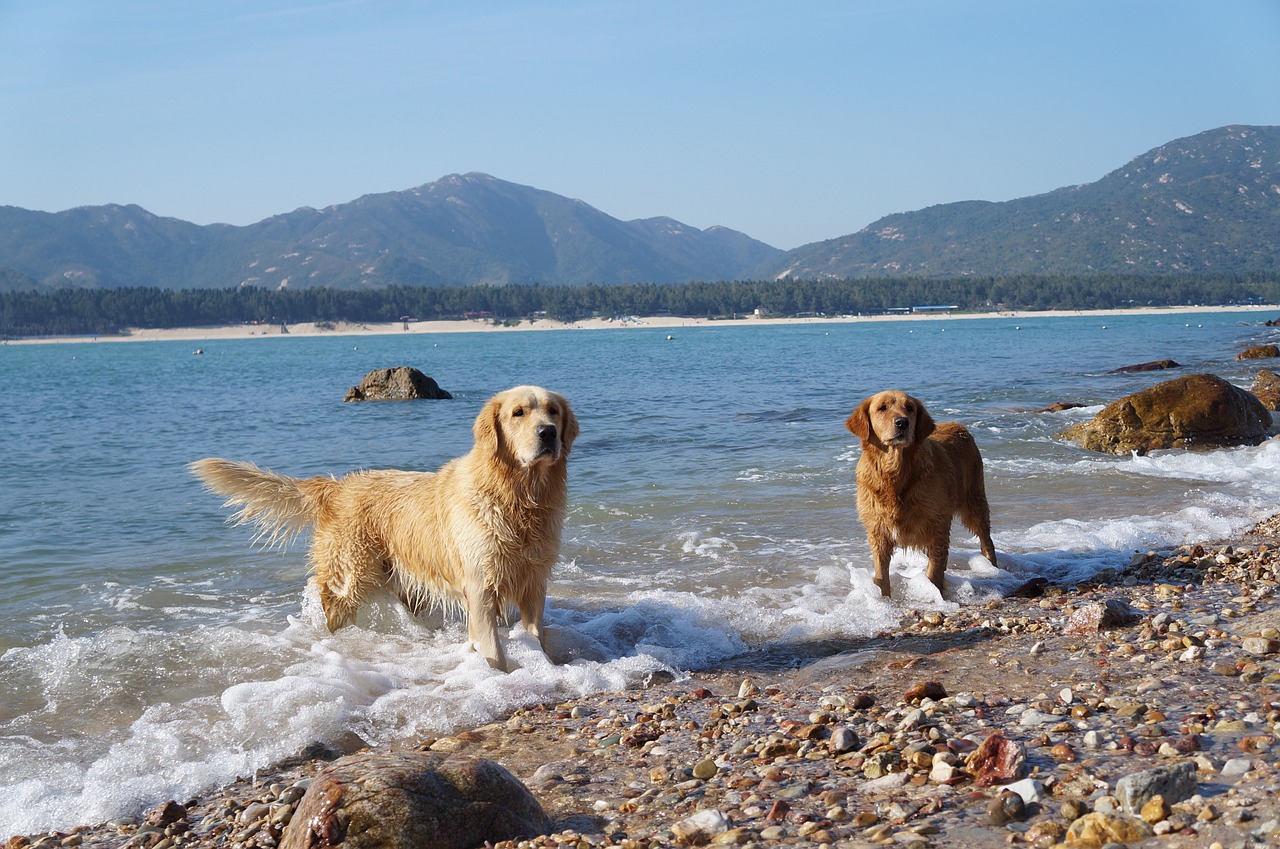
x: 1196, y: 411
x: 413, y: 800
x: 1266, y: 388
x: 1259, y: 352
x: 395, y: 384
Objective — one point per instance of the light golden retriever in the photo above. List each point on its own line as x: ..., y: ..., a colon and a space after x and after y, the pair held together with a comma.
x: 482, y: 533
x: 913, y: 476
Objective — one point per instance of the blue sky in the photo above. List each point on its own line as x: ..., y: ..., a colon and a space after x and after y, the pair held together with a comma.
x: 790, y: 121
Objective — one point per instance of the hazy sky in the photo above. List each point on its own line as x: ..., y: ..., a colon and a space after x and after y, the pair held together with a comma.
x: 791, y: 121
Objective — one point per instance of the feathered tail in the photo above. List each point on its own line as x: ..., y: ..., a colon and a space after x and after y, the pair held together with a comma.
x: 279, y: 506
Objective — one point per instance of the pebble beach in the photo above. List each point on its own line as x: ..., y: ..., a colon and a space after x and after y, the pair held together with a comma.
x: 1048, y: 718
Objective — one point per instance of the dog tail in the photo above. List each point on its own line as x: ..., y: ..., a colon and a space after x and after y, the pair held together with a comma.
x: 279, y: 506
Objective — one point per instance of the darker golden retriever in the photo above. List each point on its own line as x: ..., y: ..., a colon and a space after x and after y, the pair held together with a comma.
x: 913, y: 476
x: 482, y: 533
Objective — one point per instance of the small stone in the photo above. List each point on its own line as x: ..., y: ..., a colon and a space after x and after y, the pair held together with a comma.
x: 942, y: 772
x: 1005, y: 808
x: 165, y: 814
x: 998, y: 760
x: 1099, y: 829
x: 701, y: 828
x: 1175, y: 783
x: 1237, y: 766
x: 1063, y: 752
x: 1155, y: 810
x: 1045, y: 833
x: 1260, y: 645
x: 914, y: 719
x: 865, y: 819
x: 1073, y: 809
x: 734, y: 837
x: 1028, y: 789
x: 1034, y: 718
x: 1192, y: 653
x: 927, y: 690
x: 843, y: 739
x: 705, y: 769
x: 1092, y: 618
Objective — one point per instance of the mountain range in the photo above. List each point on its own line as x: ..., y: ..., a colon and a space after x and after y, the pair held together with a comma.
x: 1206, y: 203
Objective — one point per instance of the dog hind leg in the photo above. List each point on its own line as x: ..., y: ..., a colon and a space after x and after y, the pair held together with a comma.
x: 976, y: 516
x: 939, y: 549
x: 346, y: 572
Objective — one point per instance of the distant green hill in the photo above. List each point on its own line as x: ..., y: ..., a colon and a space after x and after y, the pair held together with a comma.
x: 468, y: 229
x: 1209, y: 203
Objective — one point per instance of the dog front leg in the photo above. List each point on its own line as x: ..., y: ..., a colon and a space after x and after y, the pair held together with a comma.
x: 531, y: 606
x: 938, y: 552
x: 881, y: 553
x: 482, y: 629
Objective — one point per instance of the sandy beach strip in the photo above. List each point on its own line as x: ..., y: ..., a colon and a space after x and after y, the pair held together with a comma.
x: 658, y: 322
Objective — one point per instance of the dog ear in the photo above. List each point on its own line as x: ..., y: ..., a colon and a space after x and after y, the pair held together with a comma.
x: 488, y: 429
x: 859, y: 421
x: 924, y: 421
x: 568, y: 424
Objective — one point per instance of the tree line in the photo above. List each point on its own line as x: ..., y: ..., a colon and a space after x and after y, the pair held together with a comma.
x: 110, y: 311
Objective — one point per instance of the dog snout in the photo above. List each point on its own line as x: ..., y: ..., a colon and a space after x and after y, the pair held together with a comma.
x: 547, y: 434
x: 901, y: 424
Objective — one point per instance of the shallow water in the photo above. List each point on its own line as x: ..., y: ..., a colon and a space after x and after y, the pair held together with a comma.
x: 148, y: 651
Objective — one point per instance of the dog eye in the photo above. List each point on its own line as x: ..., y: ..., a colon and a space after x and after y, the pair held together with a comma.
x: 518, y: 411
x: 882, y: 408
x: 554, y: 411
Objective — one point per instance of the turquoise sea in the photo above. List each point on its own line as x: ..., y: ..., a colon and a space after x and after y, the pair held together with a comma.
x: 148, y: 651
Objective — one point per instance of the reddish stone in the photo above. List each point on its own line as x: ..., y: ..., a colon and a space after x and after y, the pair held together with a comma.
x: 998, y: 760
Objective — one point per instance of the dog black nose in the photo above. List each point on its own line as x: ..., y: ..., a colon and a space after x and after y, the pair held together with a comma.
x: 901, y: 423
x: 547, y: 434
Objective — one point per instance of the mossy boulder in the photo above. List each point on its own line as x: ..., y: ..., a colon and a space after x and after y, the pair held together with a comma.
x: 396, y: 384
x: 1198, y: 411
x: 413, y: 800
x: 1259, y: 352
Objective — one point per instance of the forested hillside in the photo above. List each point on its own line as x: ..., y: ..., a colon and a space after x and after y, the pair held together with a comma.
x: 107, y: 311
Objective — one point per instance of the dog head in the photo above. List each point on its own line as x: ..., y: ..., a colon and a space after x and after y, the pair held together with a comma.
x: 891, y: 418
x: 531, y: 425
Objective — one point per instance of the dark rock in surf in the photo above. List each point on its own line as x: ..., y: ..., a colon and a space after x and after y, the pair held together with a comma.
x: 1059, y: 406
x: 423, y: 800
x: 1197, y: 411
x: 396, y: 384
x: 1154, y: 365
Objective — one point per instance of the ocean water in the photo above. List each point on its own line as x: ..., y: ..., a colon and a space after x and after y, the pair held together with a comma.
x: 148, y: 651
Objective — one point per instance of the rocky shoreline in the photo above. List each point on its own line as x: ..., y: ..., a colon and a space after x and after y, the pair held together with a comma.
x: 1165, y: 668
